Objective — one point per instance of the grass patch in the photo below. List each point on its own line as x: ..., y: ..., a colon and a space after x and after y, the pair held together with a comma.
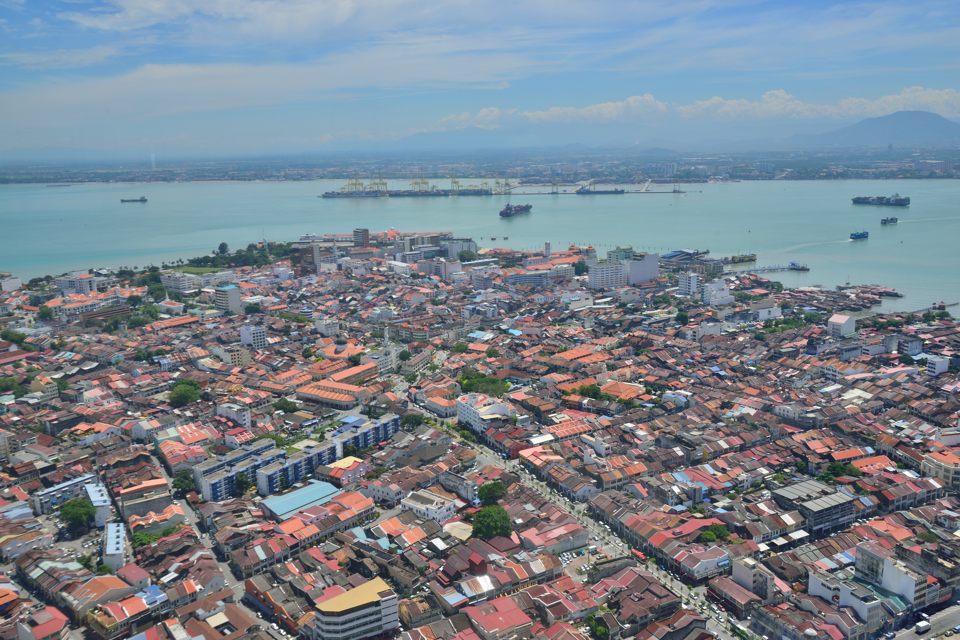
x: 197, y: 271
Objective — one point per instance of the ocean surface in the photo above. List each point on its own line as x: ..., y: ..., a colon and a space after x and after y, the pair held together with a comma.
x: 49, y: 230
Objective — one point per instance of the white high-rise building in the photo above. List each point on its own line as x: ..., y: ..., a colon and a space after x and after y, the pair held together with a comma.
x: 254, y: 336
x: 227, y: 298
x: 688, y: 284
x: 643, y: 267
x: 607, y: 275
x: 717, y: 293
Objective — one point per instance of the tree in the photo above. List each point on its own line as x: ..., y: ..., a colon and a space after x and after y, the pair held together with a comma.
x: 134, y: 301
x: 491, y: 492
x: 253, y: 307
x: 404, y: 355
x: 183, y: 393
x: 683, y: 317
x: 493, y: 353
x: 472, y: 381
x: 411, y: 420
x: 467, y: 256
x: 77, y: 513
x: 491, y: 522
x: 241, y: 484
x: 459, y: 348
x: 142, y: 539
x: 287, y: 406
x: 183, y: 481
x: 580, y: 267
x: 713, y: 533
x: 354, y: 359
x: 223, y: 249
x: 45, y: 313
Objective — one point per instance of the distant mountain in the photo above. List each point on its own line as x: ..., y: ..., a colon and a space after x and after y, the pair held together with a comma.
x: 900, y: 129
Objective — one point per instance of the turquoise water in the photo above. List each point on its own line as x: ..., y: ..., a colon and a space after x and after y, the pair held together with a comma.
x: 48, y: 230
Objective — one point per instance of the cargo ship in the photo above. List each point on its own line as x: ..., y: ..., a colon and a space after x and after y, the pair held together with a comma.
x: 896, y: 200
x: 515, y: 210
x: 140, y: 199
x: 589, y: 190
x: 859, y: 235
x: 890, y: 220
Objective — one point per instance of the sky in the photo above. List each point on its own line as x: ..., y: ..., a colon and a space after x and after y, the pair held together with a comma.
x: 131, y: 78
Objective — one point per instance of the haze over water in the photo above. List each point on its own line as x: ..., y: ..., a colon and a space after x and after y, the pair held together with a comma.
x: 49, y: 230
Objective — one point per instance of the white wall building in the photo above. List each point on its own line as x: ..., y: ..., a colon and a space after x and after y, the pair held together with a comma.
x: 114, y: 545
x: 239, y: 414
x: 100, y: 499
x: 717, y: 293
x: 227, y: 298
x: 476, y: 410
x: 688, y: 284
x: 365, y: 611
x: 937, y: 365
x: 643, y: 267
x: 254, y: 336
x: 430, y: 506
x: 841, y: 326
x: 607, y: 275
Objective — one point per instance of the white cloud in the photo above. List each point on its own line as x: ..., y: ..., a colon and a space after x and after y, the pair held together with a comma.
x: 774, y: 104
x: 631, y: 107
x: 60, y: 58
x: 780, y: 104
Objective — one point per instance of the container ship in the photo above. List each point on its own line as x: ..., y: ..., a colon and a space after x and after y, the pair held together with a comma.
x: 896, y: 200
x: 890, y: 220
x: 859, y: 235
x: 140, y: 199
x: 589, y: 190
x: 515, y: 210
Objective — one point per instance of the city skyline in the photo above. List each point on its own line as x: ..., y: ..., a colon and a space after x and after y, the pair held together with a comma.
x: 130, y: 78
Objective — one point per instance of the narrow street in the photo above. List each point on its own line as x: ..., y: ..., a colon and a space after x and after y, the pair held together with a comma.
x: 609, y: 542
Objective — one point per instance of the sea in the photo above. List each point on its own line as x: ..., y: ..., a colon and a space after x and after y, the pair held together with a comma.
x: 53, y: 229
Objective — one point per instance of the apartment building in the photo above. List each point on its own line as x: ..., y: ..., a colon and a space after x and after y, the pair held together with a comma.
x: 363, y: 612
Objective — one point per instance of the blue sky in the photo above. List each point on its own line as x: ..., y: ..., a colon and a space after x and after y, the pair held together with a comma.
x: 223, y: 77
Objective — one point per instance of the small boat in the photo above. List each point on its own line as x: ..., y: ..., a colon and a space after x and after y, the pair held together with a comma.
x: 859, y: 235
x: 891, y: 220
x: 141, y: 199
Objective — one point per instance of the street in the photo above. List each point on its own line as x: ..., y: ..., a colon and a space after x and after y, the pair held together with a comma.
x: 940, y: 623
x: 609, y: 542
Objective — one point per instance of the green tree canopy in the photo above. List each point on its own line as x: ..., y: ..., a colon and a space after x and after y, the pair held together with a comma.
x: 491, y: 492
x: 45, y: 313
x: 183, y: 481
x: 184, y: 392
x: 404, y: 355
x: 683, y: 317
x: 287, y: 406
x: 241, y: 484
x: 472, y: 381
x: 411, y: 420
x: 580, y: 267
x: 491, y: 522
x: 493, y: 353
x: 223, y: 249
x: 77, y: 513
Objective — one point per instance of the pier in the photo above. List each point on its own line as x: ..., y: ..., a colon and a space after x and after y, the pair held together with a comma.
x: 772, y: 268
